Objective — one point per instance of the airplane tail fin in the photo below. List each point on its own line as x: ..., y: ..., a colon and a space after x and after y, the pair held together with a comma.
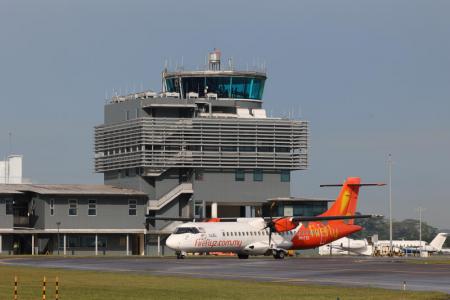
x: 345, y: 204
x: 347, y: 200
x: 439, y: 241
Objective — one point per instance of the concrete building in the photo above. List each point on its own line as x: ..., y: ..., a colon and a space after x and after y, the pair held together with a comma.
x: 202, y: 147
x: 85, y: 219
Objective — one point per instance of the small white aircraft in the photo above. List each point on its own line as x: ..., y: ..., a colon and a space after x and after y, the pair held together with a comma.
x: 434, y: 246
x: 258, y: 236
x: 347, y: 246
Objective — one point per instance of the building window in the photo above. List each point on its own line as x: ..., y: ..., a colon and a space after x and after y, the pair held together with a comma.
x: 285, y: 176
x: 239, y: 175
x: 92, y: 207
x: 132, y: 204
x: 73, y: 207
x: 257, y: 175
x: 9, y: 206
x: 52, y: 207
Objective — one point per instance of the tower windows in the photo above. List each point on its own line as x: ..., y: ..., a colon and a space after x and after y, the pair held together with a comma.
x: 239, y: 175
x: 285, y: 176
x: 258, y: 175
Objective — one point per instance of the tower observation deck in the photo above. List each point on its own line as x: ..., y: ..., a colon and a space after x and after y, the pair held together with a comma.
x: 204, y: 138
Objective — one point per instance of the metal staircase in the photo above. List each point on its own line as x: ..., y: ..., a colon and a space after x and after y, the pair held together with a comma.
x: 184, y: 188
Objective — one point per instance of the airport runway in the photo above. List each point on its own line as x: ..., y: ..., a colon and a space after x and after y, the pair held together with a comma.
x: 350, y: 271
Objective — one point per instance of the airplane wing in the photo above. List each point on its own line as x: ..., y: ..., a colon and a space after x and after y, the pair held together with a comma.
x: 331, y: 218
x: 293, y: 219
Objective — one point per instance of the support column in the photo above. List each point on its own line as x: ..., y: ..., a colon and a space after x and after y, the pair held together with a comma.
x: 214, y: 210
x: 203, y: 209
x: 96, y: 245
x: 159, y: 245
x: 1, y: 243
x: 32, y: 244
x: 142, y: 244
x: 128, y: 244
x: 248, y: 211
x: 64, y: 244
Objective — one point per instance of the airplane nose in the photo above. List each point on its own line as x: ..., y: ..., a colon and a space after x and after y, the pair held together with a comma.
x: 172, y: 242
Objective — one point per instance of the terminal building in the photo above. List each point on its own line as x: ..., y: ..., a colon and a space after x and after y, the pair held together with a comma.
x: 202, y: 147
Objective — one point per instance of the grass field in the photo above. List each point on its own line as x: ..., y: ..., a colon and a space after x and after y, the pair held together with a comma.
x: 105, y: 285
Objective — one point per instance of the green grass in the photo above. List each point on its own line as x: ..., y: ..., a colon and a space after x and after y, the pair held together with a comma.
x: 107, y: 285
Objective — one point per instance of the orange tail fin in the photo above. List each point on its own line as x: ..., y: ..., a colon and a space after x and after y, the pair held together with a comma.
x: 347, y: 200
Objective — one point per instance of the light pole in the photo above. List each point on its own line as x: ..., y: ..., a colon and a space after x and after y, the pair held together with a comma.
x: 57, y: 225
x: 390, y: 202
x: 420, y: 209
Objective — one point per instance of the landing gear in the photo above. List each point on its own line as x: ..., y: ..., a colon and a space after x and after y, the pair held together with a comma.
x: 278, y: 254
x: 243, y: 256
x: 180, y: 255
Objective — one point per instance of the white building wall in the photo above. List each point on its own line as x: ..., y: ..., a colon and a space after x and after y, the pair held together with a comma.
x: 11, y: 170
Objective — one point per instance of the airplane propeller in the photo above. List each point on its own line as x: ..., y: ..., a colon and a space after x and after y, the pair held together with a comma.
x: 270, y: 224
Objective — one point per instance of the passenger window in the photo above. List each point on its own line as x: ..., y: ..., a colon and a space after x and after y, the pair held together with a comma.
x: 223, y: 233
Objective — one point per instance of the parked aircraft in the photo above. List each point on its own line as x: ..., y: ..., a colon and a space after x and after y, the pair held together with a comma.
x: 347, y: 246
x: 259, y: 236
x: 363, y: 247
x: 434, y: 246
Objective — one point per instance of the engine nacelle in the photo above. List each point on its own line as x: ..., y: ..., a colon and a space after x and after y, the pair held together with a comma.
x: 284, y: 224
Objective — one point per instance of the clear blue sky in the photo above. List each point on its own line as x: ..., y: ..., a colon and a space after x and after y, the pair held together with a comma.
x: 372, y: 77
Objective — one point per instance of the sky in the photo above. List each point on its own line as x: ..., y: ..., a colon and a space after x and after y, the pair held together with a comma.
x: 371, y: 77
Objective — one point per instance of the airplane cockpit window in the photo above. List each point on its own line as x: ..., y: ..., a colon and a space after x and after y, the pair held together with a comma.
x: 181, y: 230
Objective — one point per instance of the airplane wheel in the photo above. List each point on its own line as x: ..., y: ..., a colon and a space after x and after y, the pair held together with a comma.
x: 180, y: 256
x: 278, y: 254
x: 243, y: 256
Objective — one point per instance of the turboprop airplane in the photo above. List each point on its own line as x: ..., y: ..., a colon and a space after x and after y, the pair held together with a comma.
x: 259, y: 236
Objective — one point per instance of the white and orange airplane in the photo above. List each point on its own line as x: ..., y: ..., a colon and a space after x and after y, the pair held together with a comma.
x: 262, y: 236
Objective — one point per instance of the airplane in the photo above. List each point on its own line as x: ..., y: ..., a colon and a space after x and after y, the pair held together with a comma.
x: 434, y: 246
x: 265, y: 236
x: 347, y: 246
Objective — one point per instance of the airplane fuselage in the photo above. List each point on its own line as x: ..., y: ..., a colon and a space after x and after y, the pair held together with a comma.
x: 249, y: 236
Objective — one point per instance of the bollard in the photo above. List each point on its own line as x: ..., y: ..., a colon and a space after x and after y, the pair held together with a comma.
x: 56, y: 289
x: 404, y: 285
x: 43, y: 288
x: 15, y: 287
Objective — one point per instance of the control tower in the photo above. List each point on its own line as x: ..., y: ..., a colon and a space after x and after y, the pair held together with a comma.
x: 203, y: 146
